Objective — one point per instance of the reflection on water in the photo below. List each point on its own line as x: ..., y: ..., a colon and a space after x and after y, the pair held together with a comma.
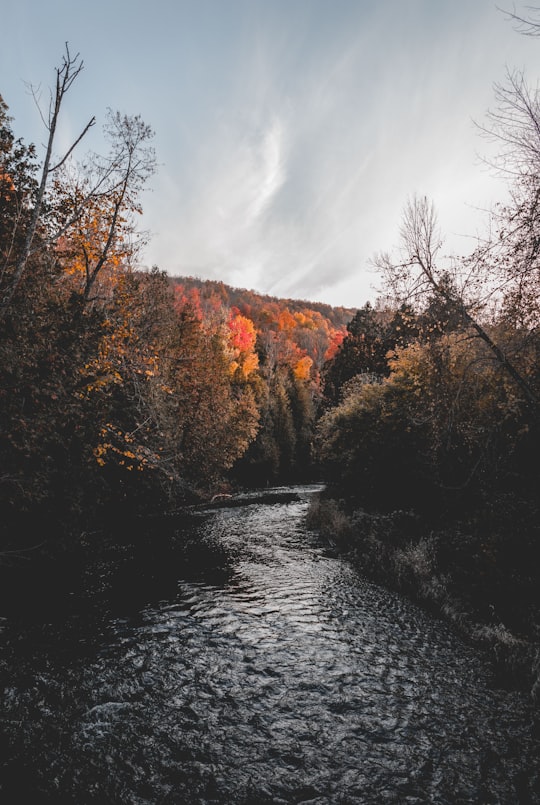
x: 294, y: 681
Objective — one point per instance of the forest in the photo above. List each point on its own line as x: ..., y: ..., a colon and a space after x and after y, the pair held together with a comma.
x: 127, y: 393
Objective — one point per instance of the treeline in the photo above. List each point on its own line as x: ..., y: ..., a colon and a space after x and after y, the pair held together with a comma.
x: 263, y: 308
x: 422, y: 415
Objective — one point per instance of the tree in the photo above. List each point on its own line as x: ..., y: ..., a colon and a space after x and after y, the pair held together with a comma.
x: 362, y: 350
x: 208, y: 415
x: 371, y: 334
x: 76, y: 357
x: 18, y: 189
x: 374, y: 451
x: 100, y: 194
x: 16, y: 263
x: 242, y: 338
x: 418, y: 273
x: 95, y: 203
x: 529, y: 26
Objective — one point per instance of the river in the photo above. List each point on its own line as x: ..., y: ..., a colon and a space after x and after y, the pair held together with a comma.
x: 291, y: 679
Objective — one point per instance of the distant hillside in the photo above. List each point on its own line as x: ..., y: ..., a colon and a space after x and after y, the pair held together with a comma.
x: 280, y: 347
x: 289, y: 331
x: 251, y: 302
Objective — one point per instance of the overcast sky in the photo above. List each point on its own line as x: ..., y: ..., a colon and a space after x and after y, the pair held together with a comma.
x: 289, y: 133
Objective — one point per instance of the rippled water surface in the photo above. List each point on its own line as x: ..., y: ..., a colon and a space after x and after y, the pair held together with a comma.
x: 292, y: 681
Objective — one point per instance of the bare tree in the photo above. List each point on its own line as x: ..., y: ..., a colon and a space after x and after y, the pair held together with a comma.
x: 106, y: 189
x: 106, y: 186
x: 510, y: 254
x: 504, y: 268
x: 418, y: 272
x: 66, y: 74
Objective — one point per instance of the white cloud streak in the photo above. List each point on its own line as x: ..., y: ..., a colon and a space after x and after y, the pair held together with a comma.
x: 299, y: 188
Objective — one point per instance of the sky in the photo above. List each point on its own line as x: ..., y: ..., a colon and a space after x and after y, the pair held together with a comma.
x: 289, y: 133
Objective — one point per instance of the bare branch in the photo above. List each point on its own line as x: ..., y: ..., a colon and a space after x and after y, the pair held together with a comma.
x: 65, y: 76
x: 515, y: 126
x: 75, y: 144
x: 523, y: 25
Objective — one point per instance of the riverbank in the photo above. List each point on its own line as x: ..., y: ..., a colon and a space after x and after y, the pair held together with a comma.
x: 125, y: 559
x: 123, y: 565
x: 470, y: 573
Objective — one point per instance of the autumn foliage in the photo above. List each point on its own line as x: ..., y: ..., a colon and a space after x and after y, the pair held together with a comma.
x: 278, y: 347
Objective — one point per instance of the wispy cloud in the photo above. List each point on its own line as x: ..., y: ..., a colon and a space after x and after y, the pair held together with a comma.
x: 268, y: 173
x: 298, y: 183
x: 232, y: 183
x: 290, y: 134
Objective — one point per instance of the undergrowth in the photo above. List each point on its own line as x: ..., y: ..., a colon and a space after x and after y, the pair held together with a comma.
x: 478, y: 574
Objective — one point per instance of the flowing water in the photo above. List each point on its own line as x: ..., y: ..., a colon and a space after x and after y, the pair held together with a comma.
x: 291, y: 680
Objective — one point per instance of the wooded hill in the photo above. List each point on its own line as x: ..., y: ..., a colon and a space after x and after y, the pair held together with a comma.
x: 284, y: 345
x: 303, y: 328
x: 262, y: 308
